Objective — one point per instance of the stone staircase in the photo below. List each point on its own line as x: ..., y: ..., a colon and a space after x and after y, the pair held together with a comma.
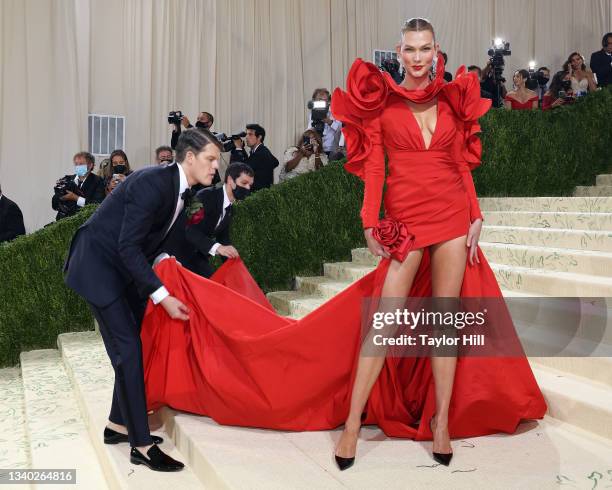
x: 602, y: 187
x: 54, y: 406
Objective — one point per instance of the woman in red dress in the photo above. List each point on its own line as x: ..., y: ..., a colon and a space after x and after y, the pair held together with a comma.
x: 521, y: 98
x: 239, y: 362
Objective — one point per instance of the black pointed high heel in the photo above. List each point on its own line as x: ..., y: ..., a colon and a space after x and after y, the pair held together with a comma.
x: 442, y: 458
x: 344, y: 463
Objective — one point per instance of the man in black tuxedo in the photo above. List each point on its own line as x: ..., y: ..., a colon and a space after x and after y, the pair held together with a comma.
x: 109, y: 265
x: 11, y: 219
x: 601, y: 61
x: 204, y: 229
x: 260, y: 159
x: 88, y: 187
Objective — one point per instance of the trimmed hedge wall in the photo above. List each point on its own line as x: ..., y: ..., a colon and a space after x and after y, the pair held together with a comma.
x: 291, y: 229
x: 35, y: 305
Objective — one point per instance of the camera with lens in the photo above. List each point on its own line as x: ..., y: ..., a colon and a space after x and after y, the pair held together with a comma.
x: 496, y: 57
x: 175, y: 117
x: 62, y: 187
x: 318, y: 113
x: 228, y: 141
x: 392, y: 67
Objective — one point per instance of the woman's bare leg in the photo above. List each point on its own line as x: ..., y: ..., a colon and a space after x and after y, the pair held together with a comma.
x: 397, y: 285
x: 448, y: 261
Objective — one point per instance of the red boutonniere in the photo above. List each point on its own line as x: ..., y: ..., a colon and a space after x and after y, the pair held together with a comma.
x: 395, y: 237
x: 195, y: 212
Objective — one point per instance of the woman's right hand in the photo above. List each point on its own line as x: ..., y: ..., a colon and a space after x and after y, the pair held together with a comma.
x: 374, y: 246
x: 557, y: 102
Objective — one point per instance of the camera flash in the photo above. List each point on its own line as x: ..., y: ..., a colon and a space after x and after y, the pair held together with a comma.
x: 532, y: 65
x: 499, y: 42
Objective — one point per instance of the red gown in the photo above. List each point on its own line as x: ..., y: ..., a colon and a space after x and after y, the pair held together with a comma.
x: 240, y: 363
x: 521, y: 106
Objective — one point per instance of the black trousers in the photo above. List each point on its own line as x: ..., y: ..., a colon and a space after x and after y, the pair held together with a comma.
x: 120, y: 324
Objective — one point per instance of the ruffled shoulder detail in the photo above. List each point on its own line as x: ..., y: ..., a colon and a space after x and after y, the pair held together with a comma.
x: 463, y: 95
x: 366, y: 95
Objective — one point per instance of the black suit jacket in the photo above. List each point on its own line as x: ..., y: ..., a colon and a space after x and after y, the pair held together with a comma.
x: 600, y: 65
x: 263, y: 164
x: 191, y: 243
x: 11, y: 220
x: 92, y: 189
x: 115, y: 247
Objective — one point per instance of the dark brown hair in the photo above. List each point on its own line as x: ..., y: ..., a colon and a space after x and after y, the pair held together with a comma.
x: 417, y: 24
x: 194, y: 140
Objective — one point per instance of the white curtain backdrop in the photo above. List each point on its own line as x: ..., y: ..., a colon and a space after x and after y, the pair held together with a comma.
x: 242, y: 60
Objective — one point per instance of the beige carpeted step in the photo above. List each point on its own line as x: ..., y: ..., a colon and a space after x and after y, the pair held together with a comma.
x: 550, y: 219
x: 548, y: 258
x: 91, y: 374
x: 549, y: 237
x: 14, y: 445
x: 56, y: 431
x: 595, y: 190
x: 564, y: 204
x: 603, y: 179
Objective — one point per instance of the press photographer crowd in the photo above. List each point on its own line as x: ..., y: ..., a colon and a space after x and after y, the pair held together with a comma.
x: 251, y: 165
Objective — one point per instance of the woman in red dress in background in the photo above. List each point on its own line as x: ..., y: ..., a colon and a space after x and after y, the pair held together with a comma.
x: 521, y: 98
x: 240, y: 363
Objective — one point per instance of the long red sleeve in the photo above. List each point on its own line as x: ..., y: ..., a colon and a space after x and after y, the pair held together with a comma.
x: 374, y: 175
x: 468, y: 183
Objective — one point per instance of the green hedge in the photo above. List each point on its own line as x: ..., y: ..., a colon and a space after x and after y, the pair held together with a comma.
x: 35, y: 305
x: 291, y: 229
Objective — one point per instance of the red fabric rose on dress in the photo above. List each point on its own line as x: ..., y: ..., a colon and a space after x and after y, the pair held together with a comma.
x: 395, y: 237
x: 366, y: 89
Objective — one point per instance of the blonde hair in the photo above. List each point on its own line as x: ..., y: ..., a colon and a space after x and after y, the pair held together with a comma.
x: 417, y: 24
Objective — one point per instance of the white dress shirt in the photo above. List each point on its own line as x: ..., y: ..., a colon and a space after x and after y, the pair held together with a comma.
x: 226, y: 204
x: 162, y: 293
x: 81, y: 200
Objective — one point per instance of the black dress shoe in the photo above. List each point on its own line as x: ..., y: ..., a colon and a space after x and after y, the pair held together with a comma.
x: 157, y: 460
x: 442, y: 458
x: 344, y: 463
x: 113, y: 437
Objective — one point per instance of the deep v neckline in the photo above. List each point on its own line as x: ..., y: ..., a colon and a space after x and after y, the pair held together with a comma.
x: 418, y: 127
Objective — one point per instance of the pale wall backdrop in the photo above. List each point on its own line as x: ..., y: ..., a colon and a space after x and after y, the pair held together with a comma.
x: 243, y: 60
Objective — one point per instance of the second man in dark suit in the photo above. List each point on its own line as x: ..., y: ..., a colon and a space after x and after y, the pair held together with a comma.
x: 260, y: 159
x: 203, y: 230
x: 11, y: 219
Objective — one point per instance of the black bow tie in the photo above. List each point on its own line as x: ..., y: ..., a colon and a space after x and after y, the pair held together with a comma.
x: 187, y: 194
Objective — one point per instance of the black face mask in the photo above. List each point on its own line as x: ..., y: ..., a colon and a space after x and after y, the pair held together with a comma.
x: 566, y: 84
x: 241, y: 193
x: 202, y: 125
x: 119, y: 169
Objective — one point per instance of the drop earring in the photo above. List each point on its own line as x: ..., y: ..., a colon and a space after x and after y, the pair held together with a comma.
x: 434, y: 65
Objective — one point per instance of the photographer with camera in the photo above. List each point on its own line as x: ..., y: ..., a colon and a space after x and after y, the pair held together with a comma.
x: 74, y: 191
x: 560, y: 91
x: 306, y: 156
x: 321, y: 120
x: 115, y: 171
x: 177, y: 119
x: 260, y: 159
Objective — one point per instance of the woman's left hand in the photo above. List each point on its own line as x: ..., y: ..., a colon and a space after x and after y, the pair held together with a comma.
x: 472, y: 240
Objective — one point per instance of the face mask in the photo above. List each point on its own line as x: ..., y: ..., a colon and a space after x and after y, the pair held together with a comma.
x: 240, y: 192
x: 80, y: 170
x: 165, y: 161
x: 119, y: 169
x: 202, y: 125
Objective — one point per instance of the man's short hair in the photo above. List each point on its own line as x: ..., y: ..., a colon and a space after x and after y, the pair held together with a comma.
x: 194, y: 140
x: 89, y: 158
x: 159, y: 149
x: 475, y: 67
x: 210, y: 117
x: 542, y: 68
x: 236, y: 169
x: 318, y: 91
x: 259, y: 131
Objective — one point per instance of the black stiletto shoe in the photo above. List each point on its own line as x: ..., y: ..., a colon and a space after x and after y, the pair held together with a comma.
x: 344, y: 463
x: 442, y: 458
